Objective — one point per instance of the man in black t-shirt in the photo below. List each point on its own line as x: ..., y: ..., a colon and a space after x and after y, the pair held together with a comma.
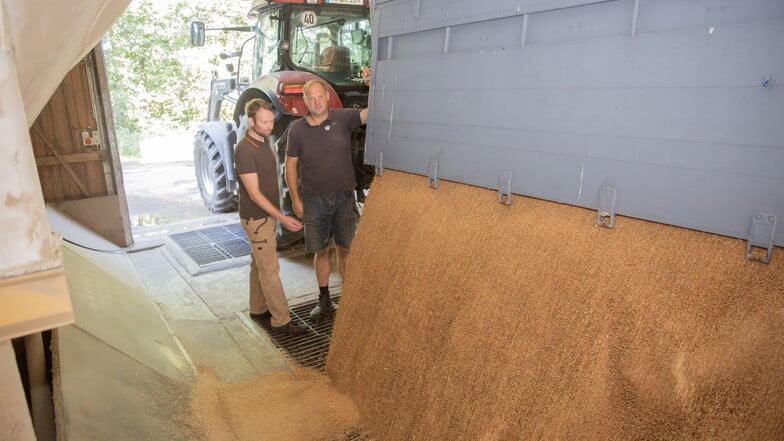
x: 259, y: 201
x: 320, y: 143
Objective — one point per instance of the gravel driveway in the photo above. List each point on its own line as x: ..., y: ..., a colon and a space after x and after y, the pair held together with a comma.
x: 161, y: 188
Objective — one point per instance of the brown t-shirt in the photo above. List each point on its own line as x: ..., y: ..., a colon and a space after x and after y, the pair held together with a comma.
x: 324, y: 151
x: 259, y: 159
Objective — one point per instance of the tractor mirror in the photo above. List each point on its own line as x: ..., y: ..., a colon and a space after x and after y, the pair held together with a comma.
x: 197, y: 33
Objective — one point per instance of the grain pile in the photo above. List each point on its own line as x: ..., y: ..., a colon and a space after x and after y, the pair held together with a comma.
x: 284, y: 406
x: 463, y: 319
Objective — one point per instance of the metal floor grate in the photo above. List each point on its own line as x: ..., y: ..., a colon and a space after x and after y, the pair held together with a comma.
x: 215, y: 244
x: 308, y: 350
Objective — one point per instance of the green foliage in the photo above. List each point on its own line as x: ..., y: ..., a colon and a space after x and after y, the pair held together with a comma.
x: 157, y: 80
x: 127, y: 141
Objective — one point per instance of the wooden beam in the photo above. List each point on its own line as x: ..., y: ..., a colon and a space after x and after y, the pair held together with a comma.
x: 67, y: 168
x: 70, y: 158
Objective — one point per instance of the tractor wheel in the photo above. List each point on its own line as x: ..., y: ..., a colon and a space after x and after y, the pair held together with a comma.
x: 249, y: 94
x: 363, y: 173
x: 286, y: 238
x: 211, y: 175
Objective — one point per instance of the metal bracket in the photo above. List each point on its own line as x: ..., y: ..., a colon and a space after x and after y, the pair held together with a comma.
x: 432, y: 173
x: 606, y: 215
x: 763, y: 227
x: 505, y: 187
x: 380, y: 164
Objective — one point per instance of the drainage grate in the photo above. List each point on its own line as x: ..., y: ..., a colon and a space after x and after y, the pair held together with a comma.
x: 215, y: 244
x: 310, y: 349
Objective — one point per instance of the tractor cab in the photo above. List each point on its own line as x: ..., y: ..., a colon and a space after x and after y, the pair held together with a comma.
x: 328, y: 38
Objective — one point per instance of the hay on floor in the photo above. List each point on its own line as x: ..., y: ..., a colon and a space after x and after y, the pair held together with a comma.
x: 464, y: 319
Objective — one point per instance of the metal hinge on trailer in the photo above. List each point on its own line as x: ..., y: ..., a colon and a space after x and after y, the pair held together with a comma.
x: 505, y: 187
x: 763, y: 228
x: 606, y: 214
x: 432, y: 173
x: 380, y: 164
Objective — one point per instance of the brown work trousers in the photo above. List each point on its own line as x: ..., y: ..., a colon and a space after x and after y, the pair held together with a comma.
x: 266, y: 290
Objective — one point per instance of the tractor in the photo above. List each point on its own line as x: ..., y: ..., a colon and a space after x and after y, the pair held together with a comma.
x: 293, y: 41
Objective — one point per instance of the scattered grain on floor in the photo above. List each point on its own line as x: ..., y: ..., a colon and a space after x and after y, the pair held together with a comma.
x: 301, y: 405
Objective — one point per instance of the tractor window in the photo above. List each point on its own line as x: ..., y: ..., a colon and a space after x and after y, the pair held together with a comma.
x: 356, y: 34
x: 334, y: 44
x: 267, y: 38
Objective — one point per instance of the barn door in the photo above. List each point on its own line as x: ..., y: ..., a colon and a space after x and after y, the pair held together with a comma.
x: 76, y: 152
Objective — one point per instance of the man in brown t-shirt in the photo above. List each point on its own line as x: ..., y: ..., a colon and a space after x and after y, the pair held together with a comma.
x: 259, y: 210
x: 320, y: 143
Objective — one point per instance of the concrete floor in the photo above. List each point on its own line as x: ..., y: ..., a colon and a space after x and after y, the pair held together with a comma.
x: 160, y: 185
x: 145, y: 326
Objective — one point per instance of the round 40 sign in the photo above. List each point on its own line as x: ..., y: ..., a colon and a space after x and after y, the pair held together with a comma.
x: 308, y: 18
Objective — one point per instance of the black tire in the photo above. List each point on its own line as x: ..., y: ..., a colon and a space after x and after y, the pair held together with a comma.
x: 211, y: 175
x: 279, y: 140
x: 249, y: 94
x: 363, y: 173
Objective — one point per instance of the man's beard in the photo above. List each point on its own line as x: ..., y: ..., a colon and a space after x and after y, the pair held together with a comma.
x: 257, y: 132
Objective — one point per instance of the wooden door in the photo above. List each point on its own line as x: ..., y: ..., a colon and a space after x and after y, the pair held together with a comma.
x: 76, y: 152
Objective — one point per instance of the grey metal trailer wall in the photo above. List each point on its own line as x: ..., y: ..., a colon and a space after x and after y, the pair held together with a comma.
x: 677, y: 105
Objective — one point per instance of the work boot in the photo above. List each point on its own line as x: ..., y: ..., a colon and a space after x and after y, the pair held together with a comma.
x: 263, y: 318
x: 289, y: 328
x: 325, y: 308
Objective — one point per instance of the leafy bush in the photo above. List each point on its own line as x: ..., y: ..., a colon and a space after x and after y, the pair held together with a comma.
x: 128, y: 142
x: 157, y: 80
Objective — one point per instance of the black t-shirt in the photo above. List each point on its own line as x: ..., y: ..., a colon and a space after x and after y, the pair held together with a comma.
x: 324, y: 151
x: 248, y: 158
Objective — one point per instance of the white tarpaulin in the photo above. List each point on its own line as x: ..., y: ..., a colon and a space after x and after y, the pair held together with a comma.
x: 40, y: 41
x: 48, y: 38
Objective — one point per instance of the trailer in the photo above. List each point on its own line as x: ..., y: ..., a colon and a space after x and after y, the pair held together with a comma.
x: 666, y: 111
